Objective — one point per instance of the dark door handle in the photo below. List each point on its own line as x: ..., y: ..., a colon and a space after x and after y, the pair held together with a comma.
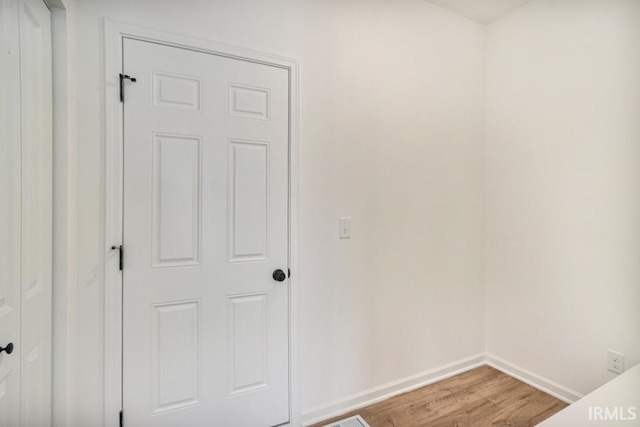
x: 8, y: 348
x: 279, y: 275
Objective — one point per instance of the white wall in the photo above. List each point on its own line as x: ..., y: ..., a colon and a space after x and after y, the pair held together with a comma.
x: 563, y: 188
x: 391, y: 134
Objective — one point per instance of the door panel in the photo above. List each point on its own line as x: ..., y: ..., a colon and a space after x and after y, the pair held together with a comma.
x: 175, y: 355
x: 205, y: 336
x: 248, y: 202
x: 176, y: 200
x: 248, y: 340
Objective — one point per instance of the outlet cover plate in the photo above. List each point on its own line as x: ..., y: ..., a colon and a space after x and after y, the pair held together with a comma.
x: 615, y: 362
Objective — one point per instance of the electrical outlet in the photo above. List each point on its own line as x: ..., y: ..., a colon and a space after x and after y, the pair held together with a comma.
x: 615, y: 362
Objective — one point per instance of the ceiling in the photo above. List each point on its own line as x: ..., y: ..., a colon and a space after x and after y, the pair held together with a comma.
x: 484, y: 11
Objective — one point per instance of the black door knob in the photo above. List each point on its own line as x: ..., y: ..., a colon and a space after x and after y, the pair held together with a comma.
x: 279, y: 276
x: 8, y: 348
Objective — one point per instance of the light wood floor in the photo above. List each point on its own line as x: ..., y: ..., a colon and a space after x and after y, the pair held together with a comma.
x: 480, y: 397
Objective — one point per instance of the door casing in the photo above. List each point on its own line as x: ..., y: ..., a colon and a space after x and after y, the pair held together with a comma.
x: 115, y: 32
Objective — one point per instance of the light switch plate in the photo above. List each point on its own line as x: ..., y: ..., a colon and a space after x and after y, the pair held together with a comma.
x: 344, y: 231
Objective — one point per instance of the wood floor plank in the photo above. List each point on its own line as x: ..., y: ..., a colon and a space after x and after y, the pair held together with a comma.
x: 480, y: 397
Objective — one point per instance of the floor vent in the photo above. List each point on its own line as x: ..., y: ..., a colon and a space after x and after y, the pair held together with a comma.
x: 356, y: 421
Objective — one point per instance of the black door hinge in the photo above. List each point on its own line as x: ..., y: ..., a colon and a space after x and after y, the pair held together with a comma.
x: 288, y: 272
x: 121, y: 419
x: 120, y: 250
x: 124, y: 77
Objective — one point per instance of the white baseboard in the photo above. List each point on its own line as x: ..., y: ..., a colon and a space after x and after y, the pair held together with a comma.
x: 543, y: 384
x: 394, y: 388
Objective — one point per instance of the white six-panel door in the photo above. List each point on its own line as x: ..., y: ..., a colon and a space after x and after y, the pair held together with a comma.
x: 25, y: 214
x: 205, y: 325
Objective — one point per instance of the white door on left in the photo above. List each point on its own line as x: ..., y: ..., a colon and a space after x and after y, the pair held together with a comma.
x: 25, y: 214
x: 9, y: 214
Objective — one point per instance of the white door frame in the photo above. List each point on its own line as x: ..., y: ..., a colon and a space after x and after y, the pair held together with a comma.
x: 115, y: 32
